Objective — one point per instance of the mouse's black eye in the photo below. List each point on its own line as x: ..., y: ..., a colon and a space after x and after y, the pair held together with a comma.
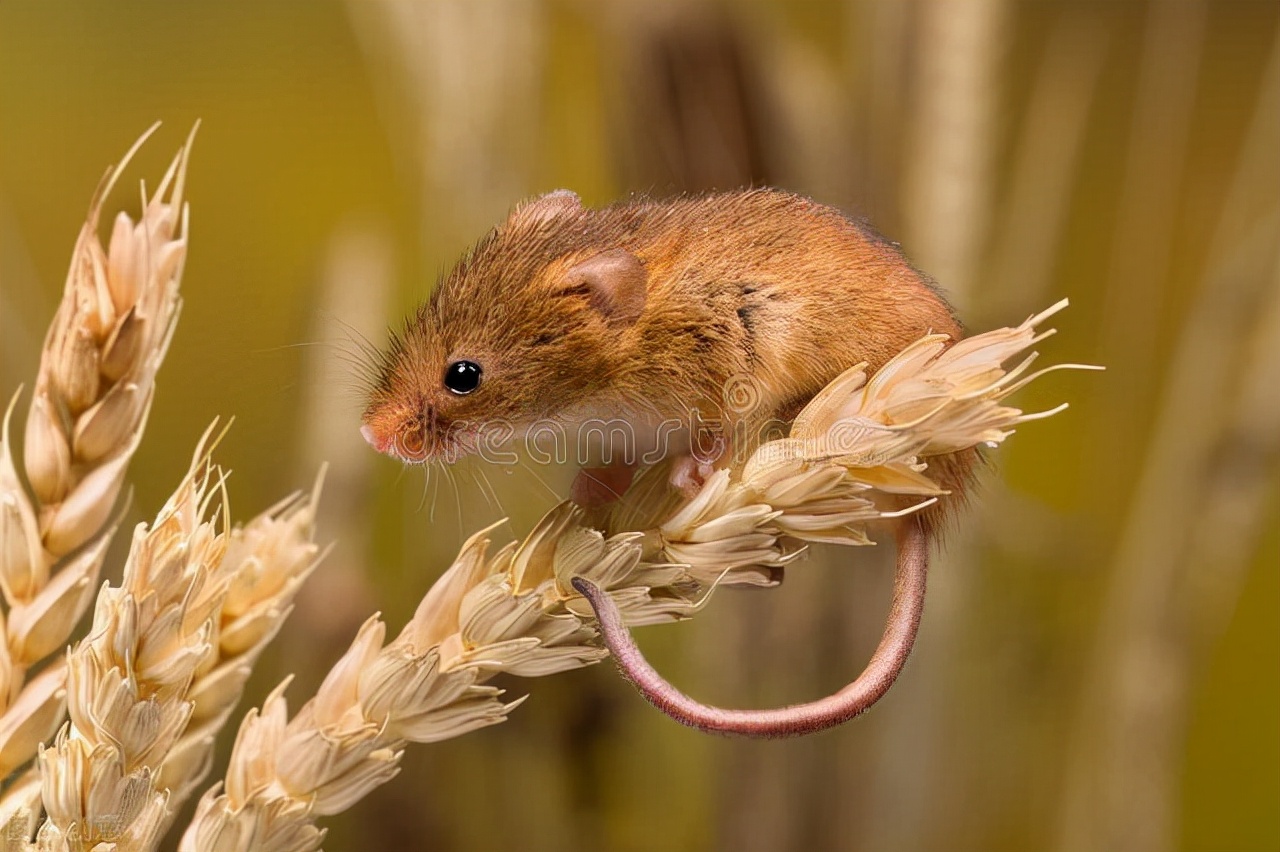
x: 462, y: 377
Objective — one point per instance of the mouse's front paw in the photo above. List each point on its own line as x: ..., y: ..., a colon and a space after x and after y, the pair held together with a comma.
x: 688, y: 475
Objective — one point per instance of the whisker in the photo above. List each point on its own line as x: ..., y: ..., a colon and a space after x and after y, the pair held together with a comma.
x: 457, y: 498
x: 554, y: 496
x: 475, y: 476
x: 355, y: 335
x: 485, y: 475
x: 426, y: 480
x: 435, y: 493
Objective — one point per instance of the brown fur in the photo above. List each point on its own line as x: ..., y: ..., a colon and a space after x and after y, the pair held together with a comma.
x: 757, y: 283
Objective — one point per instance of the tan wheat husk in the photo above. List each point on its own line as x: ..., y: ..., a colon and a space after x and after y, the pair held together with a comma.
x: 87, y: 413
x: 171, y: 647
x: 165, y: 663
x: 128, y: 681
x: 265, y: 564
x: 514, y: 610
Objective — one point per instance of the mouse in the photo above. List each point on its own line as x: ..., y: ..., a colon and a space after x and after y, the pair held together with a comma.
x: 699, y: 323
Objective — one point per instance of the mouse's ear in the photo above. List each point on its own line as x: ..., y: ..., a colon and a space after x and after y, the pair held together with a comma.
x: 549, y: 206
x: 616, y: 282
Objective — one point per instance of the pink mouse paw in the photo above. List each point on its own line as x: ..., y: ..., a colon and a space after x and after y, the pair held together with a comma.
x: 689, y: 475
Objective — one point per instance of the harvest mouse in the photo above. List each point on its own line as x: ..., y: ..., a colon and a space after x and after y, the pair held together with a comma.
x: 720, y: 313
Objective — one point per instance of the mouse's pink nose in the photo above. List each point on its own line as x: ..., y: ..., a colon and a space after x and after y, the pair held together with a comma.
x: 367, y: 431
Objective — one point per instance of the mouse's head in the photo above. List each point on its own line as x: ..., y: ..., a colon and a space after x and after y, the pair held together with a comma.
x: 530, y: 324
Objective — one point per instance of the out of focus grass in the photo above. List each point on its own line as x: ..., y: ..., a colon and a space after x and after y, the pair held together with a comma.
x: 319, y: 123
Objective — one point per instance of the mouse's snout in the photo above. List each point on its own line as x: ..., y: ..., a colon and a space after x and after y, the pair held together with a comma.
x: 366, y: 431
x: 404, y: 441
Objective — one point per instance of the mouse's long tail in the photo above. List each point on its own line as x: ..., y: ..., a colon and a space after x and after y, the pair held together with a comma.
x: 797, y: 719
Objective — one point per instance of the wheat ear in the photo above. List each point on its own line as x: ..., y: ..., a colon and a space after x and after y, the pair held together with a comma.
x: 516, y: 611
x: 92, y: 394
x: 128, y: 681
x: 165, y: 663
x: 265, y: 564
x: 89, y: 409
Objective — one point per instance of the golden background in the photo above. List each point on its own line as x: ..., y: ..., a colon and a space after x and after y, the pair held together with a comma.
x: 1099, y: 666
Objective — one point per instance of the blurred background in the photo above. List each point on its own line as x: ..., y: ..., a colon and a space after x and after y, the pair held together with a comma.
x: 1099, y: 666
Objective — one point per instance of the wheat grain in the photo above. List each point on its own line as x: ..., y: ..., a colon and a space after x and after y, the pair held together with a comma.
x: 97, y: 372
x: 90, y: 404
x: 265, y: 564
x: 166, y: 660
x: 170, y: 648
x: 127, y: 682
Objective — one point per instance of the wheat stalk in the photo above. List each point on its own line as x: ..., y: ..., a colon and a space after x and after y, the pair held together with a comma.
x: 853, y: 452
